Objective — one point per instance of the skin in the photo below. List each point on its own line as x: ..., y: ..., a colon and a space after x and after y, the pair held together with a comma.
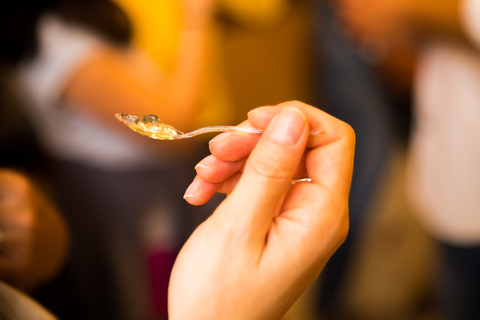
x: 112, y: 81
x: 36, y: 238
x: 267, y: 241
x: 401, y: 20
x: 396, y: 29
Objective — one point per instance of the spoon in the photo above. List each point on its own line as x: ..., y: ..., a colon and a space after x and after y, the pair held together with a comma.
x: 151, y: 126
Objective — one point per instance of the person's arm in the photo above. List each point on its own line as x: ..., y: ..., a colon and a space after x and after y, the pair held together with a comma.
x: 33, y: 236
x: 389, y: 33
x: 110, y: 82
x: 268, y: 240
x: 435, y: 19
x: 393, y: 20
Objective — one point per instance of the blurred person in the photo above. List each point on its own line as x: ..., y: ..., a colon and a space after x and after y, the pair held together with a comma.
x: 443, y: 168
x: 358, y: 89
x: 74, y: 67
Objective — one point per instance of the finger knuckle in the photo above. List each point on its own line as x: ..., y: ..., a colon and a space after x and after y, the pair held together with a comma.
x: 270, y: 168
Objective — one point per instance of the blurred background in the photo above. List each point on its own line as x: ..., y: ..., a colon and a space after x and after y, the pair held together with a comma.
x: 260, y: 52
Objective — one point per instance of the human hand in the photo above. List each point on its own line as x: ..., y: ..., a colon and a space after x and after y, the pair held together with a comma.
x: 381, y: 34
x: 380, y: 31
x: 267, y: 241
x: 33, y: 236
x: 383, y: 20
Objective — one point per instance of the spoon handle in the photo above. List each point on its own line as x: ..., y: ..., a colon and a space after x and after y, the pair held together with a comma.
x: 218, y: 129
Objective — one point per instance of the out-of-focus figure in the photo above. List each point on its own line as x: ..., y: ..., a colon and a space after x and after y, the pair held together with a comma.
x: 74, y: 67
x: 443, y: 171
x: 350, y: 85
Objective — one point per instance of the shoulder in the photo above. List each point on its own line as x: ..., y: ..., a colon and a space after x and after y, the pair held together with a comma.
x: 63, y: 49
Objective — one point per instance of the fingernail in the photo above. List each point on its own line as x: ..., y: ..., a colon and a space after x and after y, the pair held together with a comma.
x: 221, y: 137
x: 206, y: 162
x: 192, y: 189
x: 287, y: 126
x: 257, y: 110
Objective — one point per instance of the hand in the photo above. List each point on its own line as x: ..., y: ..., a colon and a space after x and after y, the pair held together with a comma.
x: 34, y: 236
x: 362, y: 20
x: 267, y: 241
x: 382, y: 35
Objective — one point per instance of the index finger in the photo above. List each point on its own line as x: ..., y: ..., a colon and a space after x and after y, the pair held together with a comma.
x: 233, y: 146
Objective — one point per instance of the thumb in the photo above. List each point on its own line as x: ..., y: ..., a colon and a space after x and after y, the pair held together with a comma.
x: 269, y: 169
